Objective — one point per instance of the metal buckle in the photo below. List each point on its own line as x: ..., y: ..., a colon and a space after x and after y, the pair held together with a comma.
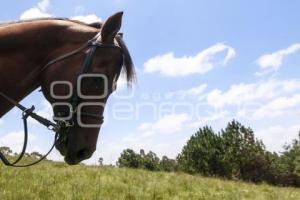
x: 27, y: 112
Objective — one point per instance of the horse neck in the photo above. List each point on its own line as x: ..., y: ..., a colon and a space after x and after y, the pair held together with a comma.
x: 26, y: 48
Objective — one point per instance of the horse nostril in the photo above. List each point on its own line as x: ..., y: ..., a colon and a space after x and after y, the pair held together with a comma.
x: 83, y: 154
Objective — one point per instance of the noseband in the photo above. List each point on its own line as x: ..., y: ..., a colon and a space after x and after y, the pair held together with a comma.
x: 59, y: 126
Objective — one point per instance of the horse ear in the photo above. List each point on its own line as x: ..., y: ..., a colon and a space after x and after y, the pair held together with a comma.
x: 111, y: 27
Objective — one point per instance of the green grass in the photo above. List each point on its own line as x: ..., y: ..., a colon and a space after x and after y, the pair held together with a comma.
x: 59, y: 181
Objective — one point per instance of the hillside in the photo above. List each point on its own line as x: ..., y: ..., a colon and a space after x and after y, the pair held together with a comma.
x: 51, y: 180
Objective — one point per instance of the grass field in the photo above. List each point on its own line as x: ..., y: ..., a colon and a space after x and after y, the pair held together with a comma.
x: 59, y: 181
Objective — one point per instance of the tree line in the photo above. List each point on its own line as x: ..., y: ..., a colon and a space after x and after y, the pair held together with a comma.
x: 232, y: 153
x: 8, y: 152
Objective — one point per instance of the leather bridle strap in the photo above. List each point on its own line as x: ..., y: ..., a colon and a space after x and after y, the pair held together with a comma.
x: 84, y: 68
x: 69, y: 54
x: 28, y: 112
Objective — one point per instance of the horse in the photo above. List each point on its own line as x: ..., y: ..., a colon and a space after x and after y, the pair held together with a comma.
x: 49, y: 54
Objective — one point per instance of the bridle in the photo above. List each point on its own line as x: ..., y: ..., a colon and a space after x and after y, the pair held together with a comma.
x: 59, y: 126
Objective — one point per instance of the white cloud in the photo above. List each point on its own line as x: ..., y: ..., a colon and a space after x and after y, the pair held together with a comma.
x: 46, y: 110
x: 41, y: 11
x: 192, y: 92
x: 275, y: 137
x: 277, y: 107
x: 223, y: 115
x: 167, y: 124
x: 148, y: 136
x: 273, y: 61
x: 14, y: 140
x: 242, y: 93
x: 254, y: 101
x: 203, y: 62
x: 87, y: 18
x: 38, y: 11
x: 43, y: 5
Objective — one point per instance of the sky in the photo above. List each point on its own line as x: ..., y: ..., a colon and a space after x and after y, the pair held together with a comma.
x: 198, y: 63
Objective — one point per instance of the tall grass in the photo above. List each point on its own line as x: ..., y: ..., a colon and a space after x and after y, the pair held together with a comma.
x: 52, y: 180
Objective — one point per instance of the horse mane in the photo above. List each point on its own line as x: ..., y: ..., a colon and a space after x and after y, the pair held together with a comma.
x: 128, y: 66
x: 94, y: 24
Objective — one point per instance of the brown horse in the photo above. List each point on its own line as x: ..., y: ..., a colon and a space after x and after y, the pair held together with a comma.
x: 27, y: 46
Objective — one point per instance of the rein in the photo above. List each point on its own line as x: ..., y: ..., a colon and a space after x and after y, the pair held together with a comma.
x: 59, y: 125
x: 28, y: 112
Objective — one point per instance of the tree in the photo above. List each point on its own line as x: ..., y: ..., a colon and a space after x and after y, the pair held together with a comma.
x: 169, y: 165
x: 294, y: 153
x: 27, y: 155
x: 100, y: 161
x: 36, y: 155
x: 150, y: 161
x: 202, y: 153
x: 287, y: 166
x: 244, y: 155
x: 297, y: 166
x: 130, y: 159
x: 6, y: 150
x: 232, y: 153
x: 142, y: 152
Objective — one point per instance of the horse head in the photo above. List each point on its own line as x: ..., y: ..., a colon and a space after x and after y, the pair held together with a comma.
x: 78, y: 87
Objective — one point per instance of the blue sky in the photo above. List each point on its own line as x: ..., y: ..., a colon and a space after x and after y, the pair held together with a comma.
x: 198, y: 63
